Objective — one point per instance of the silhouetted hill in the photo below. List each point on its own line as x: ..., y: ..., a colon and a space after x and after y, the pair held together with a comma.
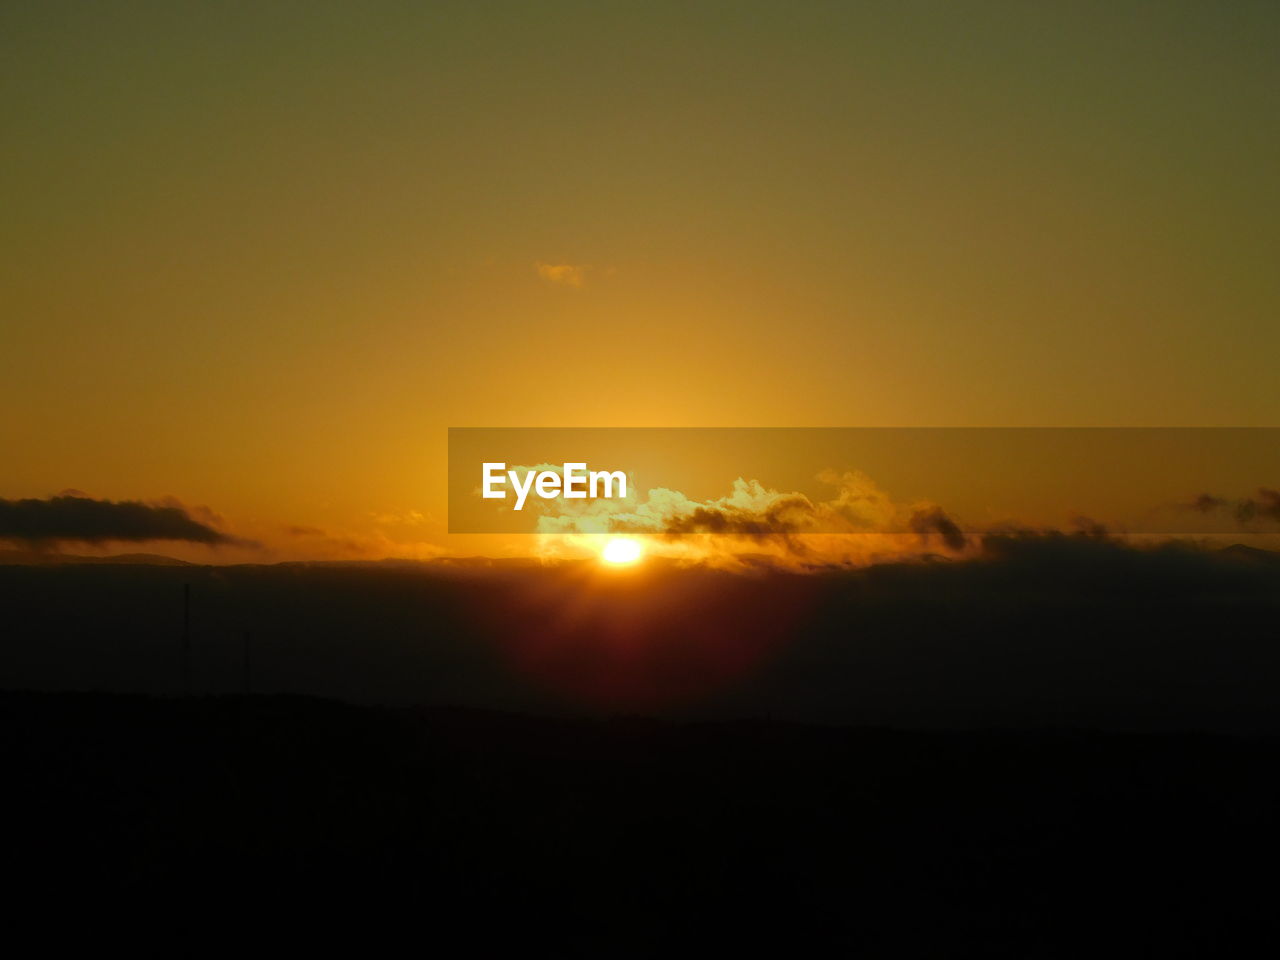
x: 39, y: 557
x: 1242, y: 551
x: 631, y: 837
x: 1049, y: 630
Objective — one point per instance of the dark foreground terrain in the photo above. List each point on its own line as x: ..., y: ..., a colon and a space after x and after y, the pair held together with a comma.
x: 599, y: 837
x: 1038, y: 631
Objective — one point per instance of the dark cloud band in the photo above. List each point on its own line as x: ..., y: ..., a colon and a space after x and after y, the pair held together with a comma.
x: 1265, y: 506
x: 85, y: 520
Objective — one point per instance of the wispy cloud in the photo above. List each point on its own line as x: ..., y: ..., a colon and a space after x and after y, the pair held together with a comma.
x: 564, y: 274
x: 343, y: 545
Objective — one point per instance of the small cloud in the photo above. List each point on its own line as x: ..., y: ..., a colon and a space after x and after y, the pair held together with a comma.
x: 300, y: 531
x: 406, y: 518
x: 1265, y: 505
x: 564, y: 274
x: 934, y: 520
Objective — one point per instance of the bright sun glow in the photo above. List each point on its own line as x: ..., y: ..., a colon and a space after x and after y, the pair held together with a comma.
x: 622, y: 550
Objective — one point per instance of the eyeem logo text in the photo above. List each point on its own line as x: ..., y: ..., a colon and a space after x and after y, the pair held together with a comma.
x: 574, y: 482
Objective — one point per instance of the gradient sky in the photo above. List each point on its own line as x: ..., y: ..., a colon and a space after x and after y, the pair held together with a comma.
x: 261, y: 256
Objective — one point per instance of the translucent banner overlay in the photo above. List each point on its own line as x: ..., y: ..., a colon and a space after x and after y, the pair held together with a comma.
x: 789, y: 481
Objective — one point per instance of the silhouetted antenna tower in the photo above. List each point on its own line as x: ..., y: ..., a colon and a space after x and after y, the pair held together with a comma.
x: 248, y: 665
x: 186, y: 638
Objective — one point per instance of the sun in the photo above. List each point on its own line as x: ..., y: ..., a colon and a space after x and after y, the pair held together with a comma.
x: 621, y: 551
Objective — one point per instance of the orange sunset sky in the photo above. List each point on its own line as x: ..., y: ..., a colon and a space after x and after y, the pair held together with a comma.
x: 259, y: 257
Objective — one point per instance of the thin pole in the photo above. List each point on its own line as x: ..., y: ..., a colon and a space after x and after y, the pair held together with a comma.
x: 186, y: 638
x: 248, y: 665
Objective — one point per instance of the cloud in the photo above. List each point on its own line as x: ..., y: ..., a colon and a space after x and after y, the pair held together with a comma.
x: 859, y: 525
x: 1264, y: 506
x: 351, y: 546
x: 753, y: 510
x: 82, y: 519
x: 933, y: 520
x: 564, y: 274
x: 754, y: 524
x: 404, y: 518
x: 296, y: 530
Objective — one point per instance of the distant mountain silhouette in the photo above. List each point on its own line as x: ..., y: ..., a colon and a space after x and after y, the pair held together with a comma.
x: 39, y: 557
x: 1241, y: 551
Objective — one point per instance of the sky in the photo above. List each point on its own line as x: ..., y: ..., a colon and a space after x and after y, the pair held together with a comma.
x: 260, y: 257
